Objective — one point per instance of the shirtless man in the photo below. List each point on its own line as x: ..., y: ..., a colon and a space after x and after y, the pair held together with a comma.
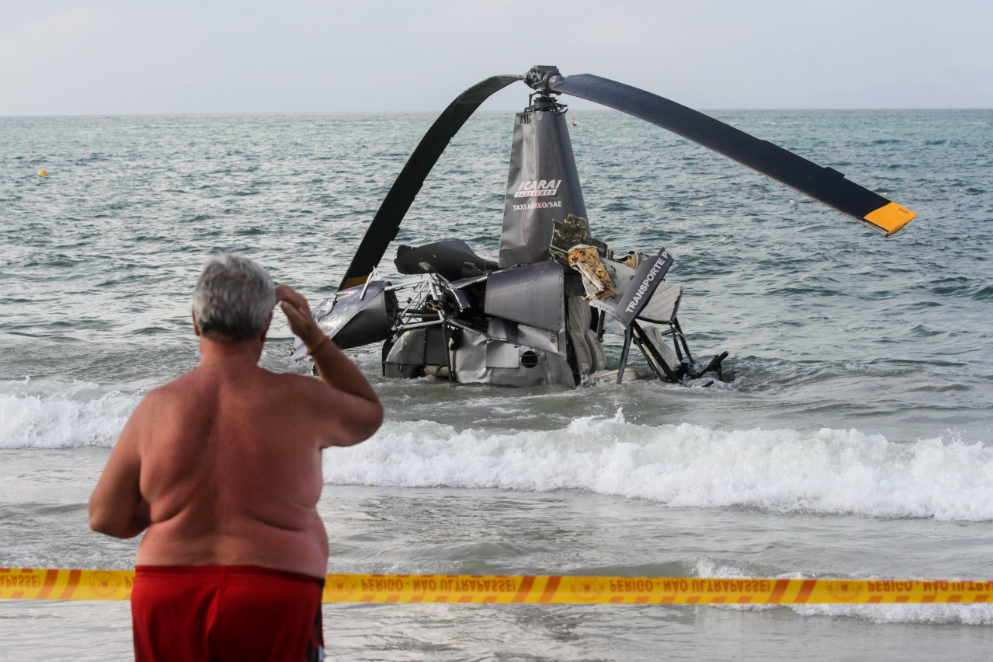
x: 223, y: 468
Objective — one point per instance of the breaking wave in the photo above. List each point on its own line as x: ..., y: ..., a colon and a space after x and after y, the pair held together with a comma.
x: 59, y: 415
x: 824, y: 471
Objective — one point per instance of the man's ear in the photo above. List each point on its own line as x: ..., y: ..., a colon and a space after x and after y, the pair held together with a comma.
x: 196, y: 329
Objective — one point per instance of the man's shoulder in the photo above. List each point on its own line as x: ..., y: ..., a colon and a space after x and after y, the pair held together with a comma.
x: 297, y: 383
x: 277, y: 386
x: 169, y: 390
x: 157, y: 404
x: 169, y: 394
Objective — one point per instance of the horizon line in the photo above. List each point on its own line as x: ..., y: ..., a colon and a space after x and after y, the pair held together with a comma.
x: 479, y: 112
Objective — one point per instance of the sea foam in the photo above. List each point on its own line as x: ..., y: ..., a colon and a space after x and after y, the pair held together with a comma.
x: 60, y: 415
x: 819, y: 471
x: 823, y: 471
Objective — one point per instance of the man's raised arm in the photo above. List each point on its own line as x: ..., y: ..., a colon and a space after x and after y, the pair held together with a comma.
x: 365, y: 413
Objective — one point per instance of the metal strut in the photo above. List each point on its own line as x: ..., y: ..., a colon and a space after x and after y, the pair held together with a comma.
x: 655, y: 359
x: 624, y: 354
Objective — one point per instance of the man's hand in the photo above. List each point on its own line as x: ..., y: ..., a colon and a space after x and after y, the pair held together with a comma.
x: 297, y: 311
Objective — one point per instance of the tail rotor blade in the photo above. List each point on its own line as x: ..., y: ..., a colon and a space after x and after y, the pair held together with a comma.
x: 386, y: 223
x: 823, y: 184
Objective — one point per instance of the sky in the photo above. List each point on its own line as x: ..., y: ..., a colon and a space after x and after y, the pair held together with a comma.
x: 110, y: 57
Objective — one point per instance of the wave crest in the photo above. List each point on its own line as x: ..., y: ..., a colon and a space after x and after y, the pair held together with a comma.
x: 824, y: 471
x: 43, y: 415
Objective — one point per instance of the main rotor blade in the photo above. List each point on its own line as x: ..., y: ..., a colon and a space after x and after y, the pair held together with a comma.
x: 823, y: 184
x: 386, y: 223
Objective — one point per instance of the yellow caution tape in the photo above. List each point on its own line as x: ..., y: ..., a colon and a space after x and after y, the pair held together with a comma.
x: 50, y: 584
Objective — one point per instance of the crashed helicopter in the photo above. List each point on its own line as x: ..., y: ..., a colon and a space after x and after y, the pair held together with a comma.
x: 538, y: 315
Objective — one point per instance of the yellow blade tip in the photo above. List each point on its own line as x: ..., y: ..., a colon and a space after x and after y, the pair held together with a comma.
x: 890, y: 217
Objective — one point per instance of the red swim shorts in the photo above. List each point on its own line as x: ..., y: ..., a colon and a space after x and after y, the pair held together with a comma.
x: 194, y: 613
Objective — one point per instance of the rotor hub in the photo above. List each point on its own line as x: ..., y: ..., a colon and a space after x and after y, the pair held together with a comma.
x: 542, y: 77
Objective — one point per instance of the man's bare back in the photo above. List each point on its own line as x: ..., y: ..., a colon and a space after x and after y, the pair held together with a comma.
x: 235, y: 460
x: 223, y: 465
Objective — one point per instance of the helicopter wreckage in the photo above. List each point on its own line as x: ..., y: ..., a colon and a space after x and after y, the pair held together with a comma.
x: 538, y: 315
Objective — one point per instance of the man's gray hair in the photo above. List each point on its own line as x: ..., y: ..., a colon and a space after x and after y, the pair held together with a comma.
x: 233, y: 299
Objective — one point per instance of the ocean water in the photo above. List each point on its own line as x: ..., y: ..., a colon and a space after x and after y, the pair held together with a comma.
x: 856, y: 440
